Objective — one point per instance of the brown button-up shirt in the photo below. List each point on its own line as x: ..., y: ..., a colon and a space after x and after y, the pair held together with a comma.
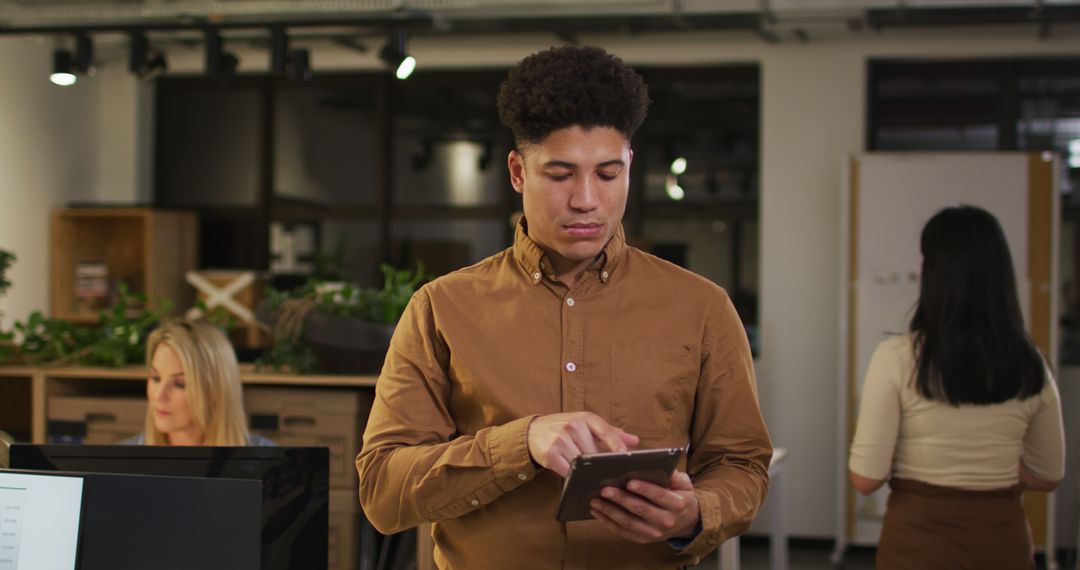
x: 650, y: 347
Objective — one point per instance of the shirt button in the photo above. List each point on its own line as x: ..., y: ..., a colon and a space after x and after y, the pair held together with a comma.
x: 570, y: 367
x: 604, y: 275
x: 570, y: 301
x: 474, y: 502
x: 536, y: 276
x: 522, y: 476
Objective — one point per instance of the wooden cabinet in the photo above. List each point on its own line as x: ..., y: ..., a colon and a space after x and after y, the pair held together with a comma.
x: 149, y: 250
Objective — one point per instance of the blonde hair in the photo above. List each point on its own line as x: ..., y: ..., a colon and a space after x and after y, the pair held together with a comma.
x: 212, y: 381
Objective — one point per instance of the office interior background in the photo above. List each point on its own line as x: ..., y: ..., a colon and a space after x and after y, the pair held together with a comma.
x: 763, y: 100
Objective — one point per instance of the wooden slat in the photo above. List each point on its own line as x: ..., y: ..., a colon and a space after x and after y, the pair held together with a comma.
x: 852, y: 324
x: 1040, y: 226
x: 17, y: 371
x: 38, y: 404
x: 1040, y: 244
x: 248, y: 375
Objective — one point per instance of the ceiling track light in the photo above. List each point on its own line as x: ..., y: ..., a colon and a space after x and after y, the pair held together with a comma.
x: 63, y: 73
x: 220, y: 64
x: 68, y: 65
x: 294, y: 64
x: 396, y: 56
x: 84, y: 55
x: 279, y: 51
x: 300, y: 65
x: 144, y: 63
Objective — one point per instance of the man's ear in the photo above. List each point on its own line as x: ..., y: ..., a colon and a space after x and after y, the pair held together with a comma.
x: 515, y: 163
x: 631, y: 158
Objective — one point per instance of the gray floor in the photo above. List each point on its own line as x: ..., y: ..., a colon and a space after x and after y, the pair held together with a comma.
x: 802, y: 555
x: 814, y: 555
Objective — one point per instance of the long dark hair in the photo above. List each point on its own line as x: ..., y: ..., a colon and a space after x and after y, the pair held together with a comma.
x: 969, y: 338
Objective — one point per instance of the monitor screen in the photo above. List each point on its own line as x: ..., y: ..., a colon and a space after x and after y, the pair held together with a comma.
x: 137, y: 522
x: 295, y: 511
x: 39, y: 521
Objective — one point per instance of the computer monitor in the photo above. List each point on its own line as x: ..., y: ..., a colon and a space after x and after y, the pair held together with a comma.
x: 295, y: 485
x: 39, y: 520
x: 105, y: 521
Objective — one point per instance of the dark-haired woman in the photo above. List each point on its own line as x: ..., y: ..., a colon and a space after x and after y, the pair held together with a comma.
x: 960, y: 415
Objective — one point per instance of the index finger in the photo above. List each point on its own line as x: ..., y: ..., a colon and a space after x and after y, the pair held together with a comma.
x: 605, y: 433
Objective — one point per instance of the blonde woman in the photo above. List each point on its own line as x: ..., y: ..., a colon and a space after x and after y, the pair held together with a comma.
x: 193, y: 391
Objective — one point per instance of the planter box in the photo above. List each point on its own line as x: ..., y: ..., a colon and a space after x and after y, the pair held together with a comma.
x: 347, y: 346
x: 342, y: 346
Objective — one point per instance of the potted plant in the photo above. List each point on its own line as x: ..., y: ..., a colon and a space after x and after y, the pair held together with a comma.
x: 6, y: 259
x: 336, y: 327
x: 118, y: 339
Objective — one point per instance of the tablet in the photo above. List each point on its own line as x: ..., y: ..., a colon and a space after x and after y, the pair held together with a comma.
x: 591, y: 473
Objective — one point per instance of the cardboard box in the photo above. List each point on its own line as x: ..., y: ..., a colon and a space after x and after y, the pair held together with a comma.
x: 309, y: 417
x: 344, y: 530
x: 95, y: 420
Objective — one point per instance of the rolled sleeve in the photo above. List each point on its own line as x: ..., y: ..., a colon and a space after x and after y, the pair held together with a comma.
x: 878, y: 425
x: 1044, y: 442
x: 730, y: 447
x: 413, y: 466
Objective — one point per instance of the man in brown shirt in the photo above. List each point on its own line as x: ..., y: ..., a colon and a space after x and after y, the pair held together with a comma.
x: 568, y: 342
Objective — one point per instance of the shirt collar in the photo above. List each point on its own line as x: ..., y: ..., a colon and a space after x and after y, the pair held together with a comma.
x: 533, y: 259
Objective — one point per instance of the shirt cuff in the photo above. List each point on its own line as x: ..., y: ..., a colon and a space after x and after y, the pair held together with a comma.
x: 508, y: 447
x: 679, y: 543
x: 709, y: 525
x: 510, y: 458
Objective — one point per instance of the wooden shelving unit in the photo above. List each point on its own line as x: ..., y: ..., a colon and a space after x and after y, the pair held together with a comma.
x: 24, y: 410
x: 24, y: 390
x: 148, y: 249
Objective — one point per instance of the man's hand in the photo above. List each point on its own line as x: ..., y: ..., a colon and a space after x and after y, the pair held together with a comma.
x: 645, y: 513
x: 556, y: 439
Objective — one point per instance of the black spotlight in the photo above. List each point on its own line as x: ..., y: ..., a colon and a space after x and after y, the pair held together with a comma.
x: 84, y: 55
x: 220, y: 64
x: 63, y: 72
x: 67, y: 66
x: 144, y: 63
x: 155, y: 65
x: 394, y: 54
x: 279, y: 51
x: 140, y: 46
x: 300, y: 65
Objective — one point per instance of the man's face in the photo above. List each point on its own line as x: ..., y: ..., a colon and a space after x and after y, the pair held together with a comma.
x: 573, y: 185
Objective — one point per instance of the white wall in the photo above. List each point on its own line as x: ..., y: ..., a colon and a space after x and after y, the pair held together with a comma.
x: 90, y: 143
x: 812, y: 114
x: 125, y: 123
x: 48, y: 152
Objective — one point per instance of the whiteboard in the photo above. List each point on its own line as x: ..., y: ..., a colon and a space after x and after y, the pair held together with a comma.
x: 887, y: 199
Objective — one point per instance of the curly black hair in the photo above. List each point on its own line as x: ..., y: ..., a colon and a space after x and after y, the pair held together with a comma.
x: 571, y: 85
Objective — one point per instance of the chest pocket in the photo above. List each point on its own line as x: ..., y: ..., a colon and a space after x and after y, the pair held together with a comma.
x: 650, y: 383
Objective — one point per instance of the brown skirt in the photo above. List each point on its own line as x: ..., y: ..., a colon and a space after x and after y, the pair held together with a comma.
x: 928, y: 527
